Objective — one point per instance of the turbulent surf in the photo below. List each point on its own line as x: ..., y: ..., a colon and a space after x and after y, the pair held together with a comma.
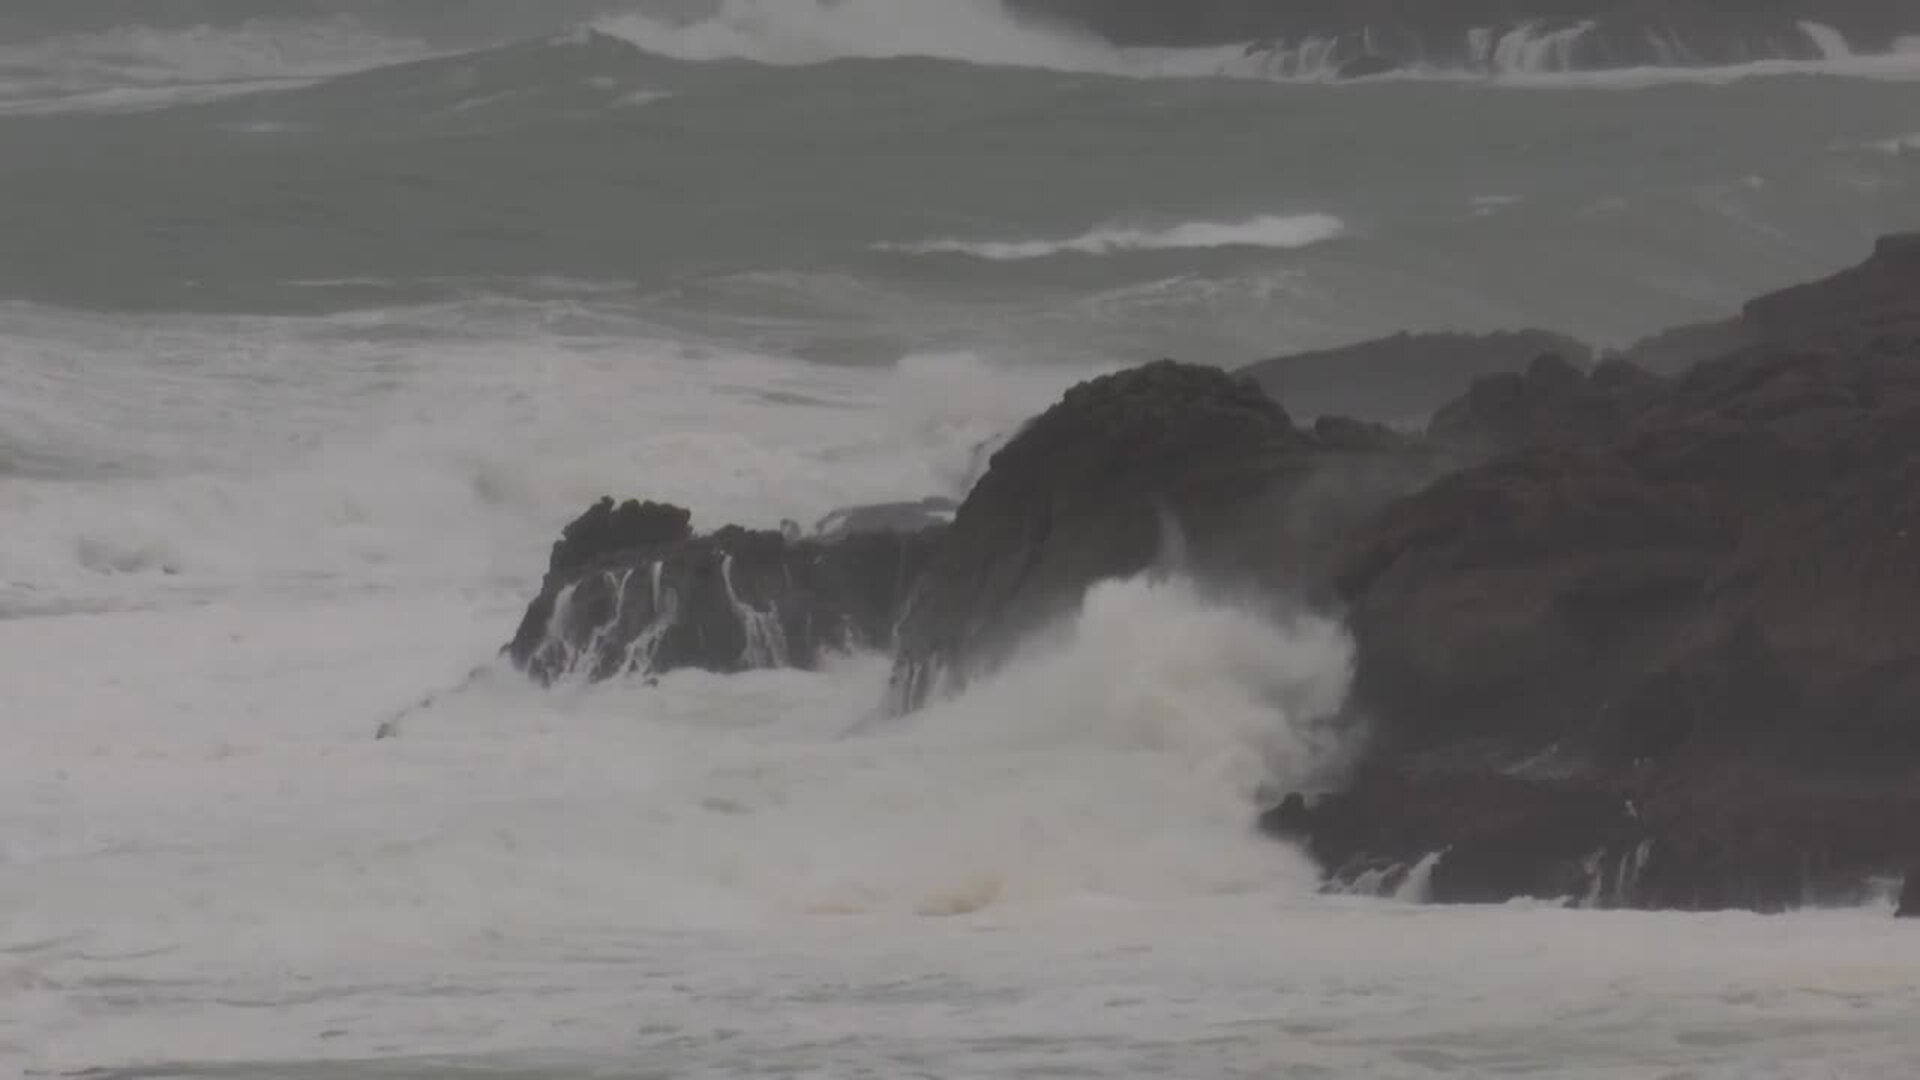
x: 321, y: 319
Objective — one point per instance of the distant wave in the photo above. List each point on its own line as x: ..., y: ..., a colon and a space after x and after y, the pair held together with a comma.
x: 1266, y: 231
x: 817, y: 31
x: 137, y: 65
x: 796, y: 32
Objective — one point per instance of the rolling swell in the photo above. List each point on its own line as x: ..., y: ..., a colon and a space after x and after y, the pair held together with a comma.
x: 1173, y: 216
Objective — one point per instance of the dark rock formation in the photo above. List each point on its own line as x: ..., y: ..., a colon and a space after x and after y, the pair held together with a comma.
x: 1846, y: 310
x: 1124, y: 466
x: 1624, y: 639
x: 1552, y: 403
x: 1663, y: 648
x: 606, y: 528
x: 1490, y: 35
x: 1649, y: 641
x: 1713, y: 617
x: 1402, y: 379
x: 1910, y: 894
x: 631, y: 590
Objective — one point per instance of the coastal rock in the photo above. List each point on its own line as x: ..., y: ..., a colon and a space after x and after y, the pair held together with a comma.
x: 1553, y: 402
x: 1880, y: 298
x: 1623, y: 639
x: 608, y: 527
x: 1712, y: 616
x: 631, y: 589
x: 1404, y: 378
x: 1166, y: 463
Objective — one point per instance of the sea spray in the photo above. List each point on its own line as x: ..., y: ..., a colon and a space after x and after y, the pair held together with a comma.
x: 1119, y: 757
x: 1121, y: 753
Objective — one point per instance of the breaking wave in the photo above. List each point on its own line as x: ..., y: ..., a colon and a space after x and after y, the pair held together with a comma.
x: 815, y: 31
x: 1265, y: 231
x: 134, y: 64
x: 794, y: 32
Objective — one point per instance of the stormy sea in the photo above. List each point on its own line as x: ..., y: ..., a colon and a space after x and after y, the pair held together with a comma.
x: 318, y: 322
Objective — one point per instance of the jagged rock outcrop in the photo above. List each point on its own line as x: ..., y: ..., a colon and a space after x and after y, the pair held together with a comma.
x: 631, y: 589
x: 1372, y: 36
x: 1623, y: 639
x: 1404, y: 378
x: 1552, y: 402
x: 1691, y: 649
x: 1102, y: 483
x: 1650, y: 641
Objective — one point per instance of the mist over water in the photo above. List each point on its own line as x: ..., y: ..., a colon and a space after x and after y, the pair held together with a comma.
x: 318, y: 321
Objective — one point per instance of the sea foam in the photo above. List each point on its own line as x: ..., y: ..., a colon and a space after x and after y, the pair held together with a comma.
x: 1266, y: 231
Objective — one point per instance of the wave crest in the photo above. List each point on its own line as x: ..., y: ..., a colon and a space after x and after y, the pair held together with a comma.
x: 1266, y: 231
x: 78, y: 68
x: 797, y: 32
x: 816, y: 31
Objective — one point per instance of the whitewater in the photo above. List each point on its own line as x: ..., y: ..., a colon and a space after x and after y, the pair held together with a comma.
x: 293, y: 410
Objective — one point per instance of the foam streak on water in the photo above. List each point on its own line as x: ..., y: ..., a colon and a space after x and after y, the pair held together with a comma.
x: 1265, y: 231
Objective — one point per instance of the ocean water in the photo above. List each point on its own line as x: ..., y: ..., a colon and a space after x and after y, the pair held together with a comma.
x: 318, y: 321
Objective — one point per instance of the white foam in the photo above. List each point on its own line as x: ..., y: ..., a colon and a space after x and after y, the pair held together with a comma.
x: 1898, y: 144
x: 1266, y: 231
x: 136, y: 66
x: 226, y: 749
x: 1900, y: 65
x: 191, y: 457
x: 815, y: 31
x: 1528, y: 49
x: 1831, y: 43
x: 204, y: 858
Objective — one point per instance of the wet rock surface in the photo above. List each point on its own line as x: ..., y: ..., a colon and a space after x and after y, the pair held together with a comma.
x: 1624, y: 638
x: 632, y: 590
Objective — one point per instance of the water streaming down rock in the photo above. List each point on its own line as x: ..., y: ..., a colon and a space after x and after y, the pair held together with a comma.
x: 631, y: 590
x: 766, y: 640
x: 1831, y: 43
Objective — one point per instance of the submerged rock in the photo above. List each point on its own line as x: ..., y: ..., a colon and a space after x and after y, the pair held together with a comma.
x: 632, y: 590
